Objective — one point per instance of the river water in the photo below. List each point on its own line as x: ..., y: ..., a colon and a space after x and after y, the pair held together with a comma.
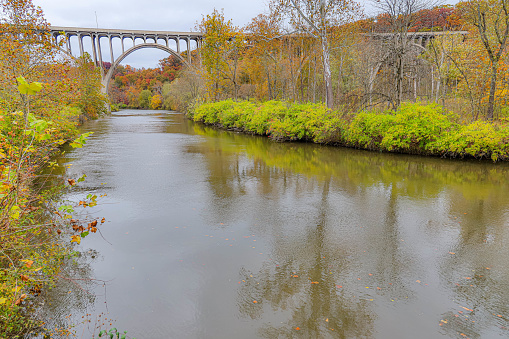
x: 213, y: 234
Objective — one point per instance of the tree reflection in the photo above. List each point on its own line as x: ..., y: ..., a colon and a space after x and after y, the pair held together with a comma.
x: 305, y: 285
x: 461, y: 206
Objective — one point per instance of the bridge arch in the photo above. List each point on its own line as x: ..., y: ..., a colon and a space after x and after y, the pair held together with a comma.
x: 107, y: 78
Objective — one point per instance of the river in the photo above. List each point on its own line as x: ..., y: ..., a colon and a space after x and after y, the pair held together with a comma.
x: 214, y: 234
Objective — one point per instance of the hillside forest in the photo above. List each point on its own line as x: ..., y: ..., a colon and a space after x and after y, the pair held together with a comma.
x: 336, y: 54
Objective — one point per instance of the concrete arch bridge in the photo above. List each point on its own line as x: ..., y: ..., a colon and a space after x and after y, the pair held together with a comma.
x: 149, y: 39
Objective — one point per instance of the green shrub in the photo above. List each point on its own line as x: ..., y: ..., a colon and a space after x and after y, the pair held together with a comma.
x: 479, y: 139
x: 368, y: 129
x: 415, y: 128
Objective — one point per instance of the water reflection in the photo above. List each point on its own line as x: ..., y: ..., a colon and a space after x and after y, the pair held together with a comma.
x: 410, y: 216
x: 236, y: 236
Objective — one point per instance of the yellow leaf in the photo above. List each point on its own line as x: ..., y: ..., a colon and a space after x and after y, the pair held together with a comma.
x: 28, y: 263
x: 76, y: 238
x: 3, y: 300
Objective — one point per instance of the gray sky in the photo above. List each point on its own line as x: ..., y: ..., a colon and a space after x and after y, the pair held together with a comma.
x: 164, y: 15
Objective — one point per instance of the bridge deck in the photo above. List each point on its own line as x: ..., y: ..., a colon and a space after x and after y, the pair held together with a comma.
x: 125, y: 32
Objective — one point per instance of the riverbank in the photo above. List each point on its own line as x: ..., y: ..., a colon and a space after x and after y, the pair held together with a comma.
x: 414, y: 129
x: 34, y: 234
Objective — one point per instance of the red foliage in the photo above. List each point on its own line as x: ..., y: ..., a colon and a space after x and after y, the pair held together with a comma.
x: 127, y: 78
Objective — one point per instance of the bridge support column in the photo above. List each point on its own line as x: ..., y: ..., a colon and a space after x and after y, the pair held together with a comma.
x: 100, y: 55
x: 188, y: 43
x: 111, y: 50
x: 177, y: 40
x: 80, y: 42
x: 68, y: 43
x: 94, y: 50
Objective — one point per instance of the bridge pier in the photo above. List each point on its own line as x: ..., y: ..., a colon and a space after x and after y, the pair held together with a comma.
x: 80, y: 42
x: 111, y: 50
x: 94, y: 50
x: 96, y: 34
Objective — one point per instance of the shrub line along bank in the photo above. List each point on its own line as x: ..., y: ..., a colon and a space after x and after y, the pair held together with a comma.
x: 414, y: 129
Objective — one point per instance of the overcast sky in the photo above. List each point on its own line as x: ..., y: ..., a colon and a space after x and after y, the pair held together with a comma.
x: 164, y: 15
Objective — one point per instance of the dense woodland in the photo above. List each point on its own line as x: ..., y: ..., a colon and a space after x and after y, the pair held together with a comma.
x: 303, y: 52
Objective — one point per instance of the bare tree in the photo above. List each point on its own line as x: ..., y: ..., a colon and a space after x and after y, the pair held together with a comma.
x: 401, y: 16
x: 316, y: 17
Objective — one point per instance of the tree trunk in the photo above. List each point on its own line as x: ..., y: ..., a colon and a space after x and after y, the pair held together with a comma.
x: 491, y: 100
x: 399, y: 81
x: 327, y: 76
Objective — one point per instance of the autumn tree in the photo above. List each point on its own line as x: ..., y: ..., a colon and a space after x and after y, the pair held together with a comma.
x: 221, y: 52
x: 156, y: 101
x: 491, y: 20
x: 29, y: 51
x: 92, y: 101
x: 145, y: 98
x: 264, y: 59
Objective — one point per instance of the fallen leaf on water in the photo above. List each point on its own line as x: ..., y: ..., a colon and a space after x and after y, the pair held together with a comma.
x: 103, y: 220
x: 468, y: 309
x: 327, y: 320
x: 418, y: 281
x: 255, y: 302
x: 297, y: 328
x: 76, y: 238
x: 71, y: 182
x: 295, y: 276
x: 339, y: 286
x: 452, y: 253
x: 315, y: 282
